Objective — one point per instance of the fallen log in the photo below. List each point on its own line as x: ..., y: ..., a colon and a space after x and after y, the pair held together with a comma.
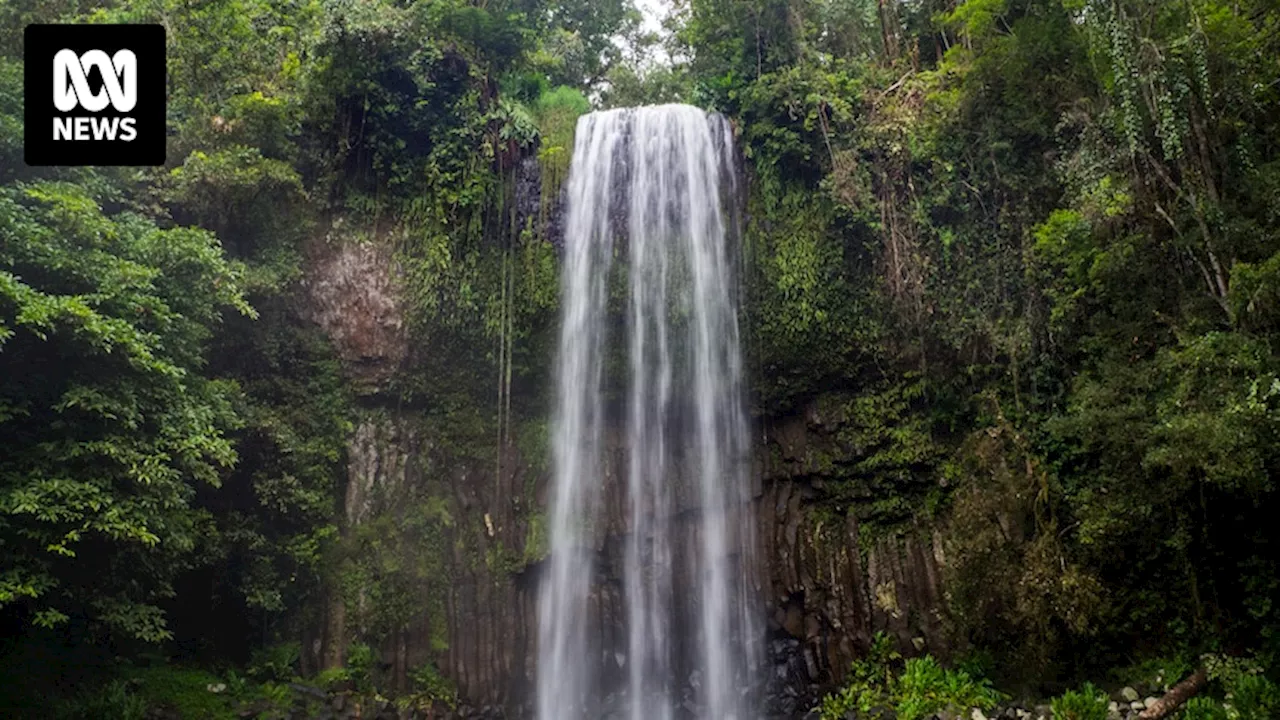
x: 1177, y: 695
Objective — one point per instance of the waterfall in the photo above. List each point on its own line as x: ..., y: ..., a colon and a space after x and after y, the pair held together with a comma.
x: 655, y: 184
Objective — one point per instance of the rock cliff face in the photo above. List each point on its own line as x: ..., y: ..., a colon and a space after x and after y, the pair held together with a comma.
x: 443, y: 548
x: 351, y: 294
x: 820, y: 582
x: 830, y: 583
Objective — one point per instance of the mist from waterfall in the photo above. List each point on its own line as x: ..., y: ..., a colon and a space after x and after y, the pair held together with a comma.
x: 654, y: 186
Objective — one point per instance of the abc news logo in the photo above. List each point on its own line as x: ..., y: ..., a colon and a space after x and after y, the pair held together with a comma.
x: 94, y: 95
x: 71, y: 89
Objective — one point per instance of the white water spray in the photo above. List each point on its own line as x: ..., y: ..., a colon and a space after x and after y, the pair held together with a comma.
x: 668, y: 172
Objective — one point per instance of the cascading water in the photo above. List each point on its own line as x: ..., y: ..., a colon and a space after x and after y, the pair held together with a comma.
x: 655, y: 181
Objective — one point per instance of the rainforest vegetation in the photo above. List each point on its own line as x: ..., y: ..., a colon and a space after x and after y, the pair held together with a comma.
x: 1029, y: 248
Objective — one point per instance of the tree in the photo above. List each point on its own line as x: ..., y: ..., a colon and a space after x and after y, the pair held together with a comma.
x: 109, y: 425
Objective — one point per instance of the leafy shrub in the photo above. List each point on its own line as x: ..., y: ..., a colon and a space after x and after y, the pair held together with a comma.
x: 977, y: 662
x: 868, y: 682
x: 277, y: 695
x: 557, y: 112
x: 276, y: 663
x: 1087, y: 703
x: 1251, y: 696
x: 430, y: 688
x: 360, y: 662
x: 329, y: 677
x: 116, y: 700
x: 358, y: 670
x: 184, y: 691
x: 924, y: 687
x: 1203, y: 708
x: 1162, y: 671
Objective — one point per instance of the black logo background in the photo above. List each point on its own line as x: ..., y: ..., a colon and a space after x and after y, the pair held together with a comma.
x: 44, y: 41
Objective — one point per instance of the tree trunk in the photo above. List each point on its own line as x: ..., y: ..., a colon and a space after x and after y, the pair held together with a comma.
x: 888, y: 35
x: 1176, y: 696
x: 335, y: 631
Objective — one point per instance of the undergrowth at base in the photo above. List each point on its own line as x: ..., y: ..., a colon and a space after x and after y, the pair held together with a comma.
x: 912, y: 689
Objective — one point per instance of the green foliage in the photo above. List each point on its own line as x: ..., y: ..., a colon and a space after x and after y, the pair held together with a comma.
x: 1162, y: 671
x: 1252, y: 697
x: 1087, y: 703
x: 158, y: 441
x: 296, y: 408
x: 1021, y: 253
x: 1249, y: 693
x: 1055, y: 219
x: 557, y: 113
x: 920, y: 689
x: 1203, y: 708
x: 393, y: 568
x: 360, y: 662
x: 557, y: 109
x: 115, y: 700
x: 276, y: 663
x: 111, y: 428
x: 1196, y: 415
x: 184, y: 691
x: 631, y: 86
x: 331, y: 678
x: 248, y: 199
x: 926, y: 688
x: 868, y: 682
x: 77, y: 683
x: 809, y: 323
x: 11, y: 102
x: 430, y: 688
